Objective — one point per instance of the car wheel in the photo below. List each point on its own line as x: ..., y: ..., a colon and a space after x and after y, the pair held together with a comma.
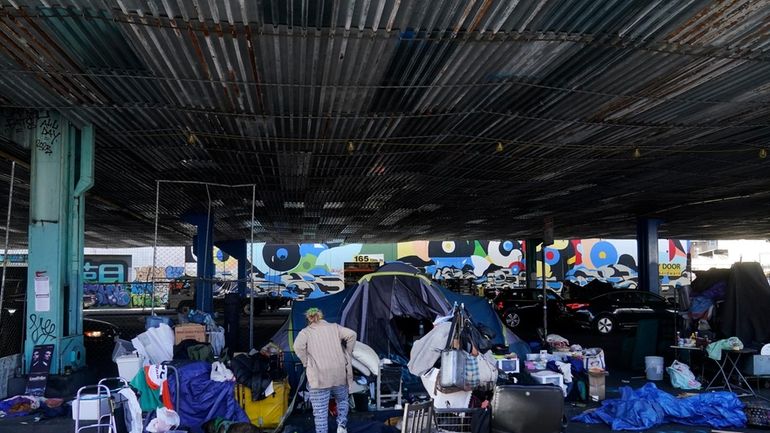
x: 605, y: 324
x: 184, y: 307
x: 247, y: 307
x: 512, y: 318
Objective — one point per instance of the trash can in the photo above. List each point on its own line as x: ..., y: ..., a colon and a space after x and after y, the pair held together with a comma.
x: 653, y: 366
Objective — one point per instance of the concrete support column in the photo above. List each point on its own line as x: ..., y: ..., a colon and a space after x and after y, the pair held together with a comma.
x: 530, y: 258
x: 61, y: 173
x: 203, y: 247
x: 647, y: 254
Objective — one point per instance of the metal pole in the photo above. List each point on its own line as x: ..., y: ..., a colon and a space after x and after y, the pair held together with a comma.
x: 209, y: 256
x: 545, y: 296
x: 251, y: 270
x: 154, y: 248
x: 7, y: 232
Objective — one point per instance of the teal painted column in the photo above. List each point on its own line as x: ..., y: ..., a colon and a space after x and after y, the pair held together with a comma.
x: 61, y: 173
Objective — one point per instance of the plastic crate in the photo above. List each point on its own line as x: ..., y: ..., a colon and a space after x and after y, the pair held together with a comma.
x: 454, y: 419
x: 757, y: 413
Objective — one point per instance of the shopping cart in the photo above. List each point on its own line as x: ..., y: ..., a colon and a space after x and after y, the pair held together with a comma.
x: 455, y: 419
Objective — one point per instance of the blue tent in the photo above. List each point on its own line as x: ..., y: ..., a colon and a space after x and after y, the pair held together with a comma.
x: 396, y: 289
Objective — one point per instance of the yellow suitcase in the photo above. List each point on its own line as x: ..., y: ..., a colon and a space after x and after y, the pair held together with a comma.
x: 268, y: 411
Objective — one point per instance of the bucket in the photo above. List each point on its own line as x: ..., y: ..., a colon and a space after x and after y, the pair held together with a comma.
x: 128, y: 366
x: 653, y: 366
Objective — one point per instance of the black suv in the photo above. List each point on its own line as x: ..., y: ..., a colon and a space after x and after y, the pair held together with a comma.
x: 523, y: 308
x: 608, y: 312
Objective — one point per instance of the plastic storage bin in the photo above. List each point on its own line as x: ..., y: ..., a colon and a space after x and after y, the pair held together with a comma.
x: 267, y: 412
x: 548, y: 377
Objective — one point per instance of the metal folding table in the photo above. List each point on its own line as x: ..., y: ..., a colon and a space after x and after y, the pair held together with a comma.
x: 728, y: 369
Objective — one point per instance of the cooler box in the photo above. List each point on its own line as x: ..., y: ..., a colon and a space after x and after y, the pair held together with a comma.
x: 757, y: 365
x: 269, y: 410
x: 90, y: 409
x: 128, y: 366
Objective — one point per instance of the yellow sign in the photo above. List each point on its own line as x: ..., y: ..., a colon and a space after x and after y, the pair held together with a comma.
x: 369, y: 258
x: 670, y: 269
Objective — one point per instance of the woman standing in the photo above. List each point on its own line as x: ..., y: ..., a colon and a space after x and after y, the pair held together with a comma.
x: 325, y: 350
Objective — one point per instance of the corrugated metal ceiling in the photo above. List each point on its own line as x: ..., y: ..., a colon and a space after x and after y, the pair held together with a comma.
x: 393, y: 110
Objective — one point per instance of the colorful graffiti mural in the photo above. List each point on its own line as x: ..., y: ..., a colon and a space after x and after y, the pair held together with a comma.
x: 316, y: 269
x: 579, y: 260
x: 108, y: 290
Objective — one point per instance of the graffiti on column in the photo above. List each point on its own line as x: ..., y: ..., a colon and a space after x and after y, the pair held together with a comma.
x: 42, y: 330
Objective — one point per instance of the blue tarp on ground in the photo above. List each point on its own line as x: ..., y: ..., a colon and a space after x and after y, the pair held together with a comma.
x: 648, y: 407
x: 202, y: 399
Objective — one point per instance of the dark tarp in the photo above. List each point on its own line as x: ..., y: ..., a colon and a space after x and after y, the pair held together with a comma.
x: 746, y: 311
x: 202, y: 399
x: 383, y: 295
x: 704, y: 280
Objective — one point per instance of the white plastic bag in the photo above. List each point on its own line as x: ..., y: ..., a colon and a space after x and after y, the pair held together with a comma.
x: 220, y: 373
x: 217, y: 340
x: 682, y: 377
x: 165, y: 420
x: 156, y: 344
x: 122, y: 348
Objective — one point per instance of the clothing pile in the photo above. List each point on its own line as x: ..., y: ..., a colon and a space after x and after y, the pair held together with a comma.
x: 22, y: 405
x: 258, y: 370
x: 454, y: 359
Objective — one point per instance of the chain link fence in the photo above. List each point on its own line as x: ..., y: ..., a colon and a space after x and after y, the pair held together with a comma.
x: 14, y: 201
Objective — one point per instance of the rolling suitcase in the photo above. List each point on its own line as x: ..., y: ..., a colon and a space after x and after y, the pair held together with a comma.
x: 527, y: 409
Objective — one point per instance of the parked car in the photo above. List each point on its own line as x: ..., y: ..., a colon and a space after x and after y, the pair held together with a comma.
x: 611, y: 311
x: 523, y: 308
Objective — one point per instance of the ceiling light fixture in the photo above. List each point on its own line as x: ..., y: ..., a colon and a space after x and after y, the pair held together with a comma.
x: 637, y: 153
x: 763, y: 153
x: 499, y: 147
x: 351, y: 147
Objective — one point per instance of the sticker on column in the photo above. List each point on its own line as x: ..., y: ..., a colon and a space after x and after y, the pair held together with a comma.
x: 42, y: 292
x: 39, y: 369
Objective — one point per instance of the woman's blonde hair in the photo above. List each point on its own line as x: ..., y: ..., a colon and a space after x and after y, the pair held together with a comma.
x: 314, y: 315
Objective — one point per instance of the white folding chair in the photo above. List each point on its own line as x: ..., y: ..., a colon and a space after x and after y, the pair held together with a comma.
x: 418, y: 418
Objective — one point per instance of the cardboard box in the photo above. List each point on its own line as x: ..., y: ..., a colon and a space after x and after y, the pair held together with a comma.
x: 189, y: 331
x: 596, y: 385
x: 757, y: 365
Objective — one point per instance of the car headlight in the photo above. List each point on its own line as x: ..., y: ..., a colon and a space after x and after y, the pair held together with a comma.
x: 93, y: 334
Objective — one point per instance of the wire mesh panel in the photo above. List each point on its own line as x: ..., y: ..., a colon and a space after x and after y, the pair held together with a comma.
x: 217, y: 215
x: 14, y: 203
